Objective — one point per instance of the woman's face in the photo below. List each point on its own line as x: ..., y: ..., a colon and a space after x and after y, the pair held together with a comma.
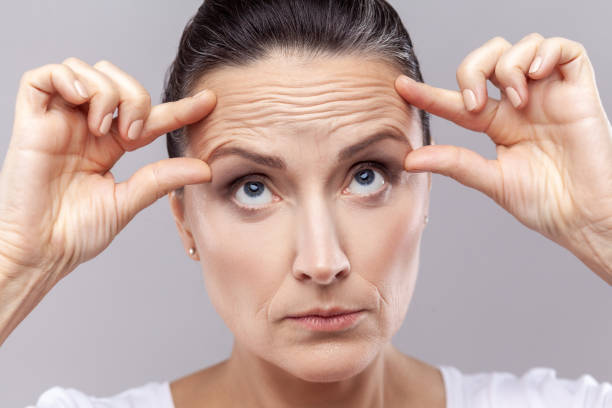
x: 309, y: 207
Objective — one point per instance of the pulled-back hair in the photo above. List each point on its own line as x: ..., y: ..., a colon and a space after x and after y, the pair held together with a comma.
x: 237, y: 32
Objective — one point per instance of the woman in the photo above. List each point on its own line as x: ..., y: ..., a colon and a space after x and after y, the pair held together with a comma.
x: 299, y: 179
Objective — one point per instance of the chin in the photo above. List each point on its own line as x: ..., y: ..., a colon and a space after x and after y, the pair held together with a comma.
x: 326, y: 362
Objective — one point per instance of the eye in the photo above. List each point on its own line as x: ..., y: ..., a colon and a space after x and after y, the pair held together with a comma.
x: 253, y: 193
x: 366, y: 181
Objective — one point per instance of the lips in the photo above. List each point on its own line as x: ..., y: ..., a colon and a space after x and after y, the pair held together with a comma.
x: 325, y: 312
x: 328, y: 320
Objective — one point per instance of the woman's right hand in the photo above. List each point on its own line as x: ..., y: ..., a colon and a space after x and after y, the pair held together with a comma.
x: 59, y: 203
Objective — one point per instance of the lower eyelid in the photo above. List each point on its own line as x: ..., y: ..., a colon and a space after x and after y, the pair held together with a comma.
x: 275, y: 199
x: 385, y: 187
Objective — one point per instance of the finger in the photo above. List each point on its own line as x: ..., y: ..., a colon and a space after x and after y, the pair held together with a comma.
x: 104, y: 96
x: 464, y: 165
x: 39, y: 85
x: 569, y: 56
x: 513, y: 66
x: 445, y: 103
x: 169, y: 116
x: 155, y: 180
x: 476, y: 69
x: 134, y: 100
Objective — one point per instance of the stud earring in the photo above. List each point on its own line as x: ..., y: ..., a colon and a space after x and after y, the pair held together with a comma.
x: 426, y: 219
x: 191, y: 251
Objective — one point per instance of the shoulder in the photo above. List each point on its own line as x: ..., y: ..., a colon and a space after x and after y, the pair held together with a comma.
x: 537, y: 388
x: 150, y: 395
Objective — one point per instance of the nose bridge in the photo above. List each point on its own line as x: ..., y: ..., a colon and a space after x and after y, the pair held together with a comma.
x: 319, y: 255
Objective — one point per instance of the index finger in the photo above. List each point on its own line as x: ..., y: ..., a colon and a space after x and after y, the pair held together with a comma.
x: 170, y: 116
x: 445, y: 103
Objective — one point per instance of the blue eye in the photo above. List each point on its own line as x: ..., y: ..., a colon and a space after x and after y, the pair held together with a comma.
x: 253, y: 194
x: 366, y: 181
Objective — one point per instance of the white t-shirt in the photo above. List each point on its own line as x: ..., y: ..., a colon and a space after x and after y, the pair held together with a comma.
x: 537, y: 388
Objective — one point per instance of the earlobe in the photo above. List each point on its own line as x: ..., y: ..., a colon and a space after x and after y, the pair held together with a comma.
x: 178, y: 211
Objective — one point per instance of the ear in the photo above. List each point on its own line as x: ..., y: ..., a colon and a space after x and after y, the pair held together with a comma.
x: 177, y: 206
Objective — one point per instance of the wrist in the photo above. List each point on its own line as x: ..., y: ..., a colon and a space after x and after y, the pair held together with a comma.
x: 594, y: 249
x: 21, y: 289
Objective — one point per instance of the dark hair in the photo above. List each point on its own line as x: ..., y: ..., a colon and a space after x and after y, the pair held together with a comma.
x: 236, y: 32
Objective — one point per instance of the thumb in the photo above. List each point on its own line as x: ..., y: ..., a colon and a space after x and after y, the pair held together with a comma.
x: 464, y: 165
x: 154, y: 181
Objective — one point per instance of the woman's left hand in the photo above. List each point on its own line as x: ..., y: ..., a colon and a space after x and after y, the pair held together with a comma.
x: 553, y: 170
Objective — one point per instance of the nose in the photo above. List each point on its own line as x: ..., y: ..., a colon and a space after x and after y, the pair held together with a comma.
x: 319, y: 256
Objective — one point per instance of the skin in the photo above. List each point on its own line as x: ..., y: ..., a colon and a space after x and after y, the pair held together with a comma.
x: 318, y: 240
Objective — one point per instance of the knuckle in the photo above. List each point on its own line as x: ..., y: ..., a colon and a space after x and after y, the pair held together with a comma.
x: 72, y: 61
x: 501, y: 70
x: 141, y: 103
x: 562, y: 40
x: 113, y: 94
x: 108, y: 89
x: 108, y: 93
x: 557, y: 39
x: 462, y: 70
x: 533, y: 36
x: 103, y: 64
x: 60, y: 68
x: 33, y: 74
x: 458, y: 155
x: 27, y: 76
x: 144, y: 100
x: 504, y: 67
x: 499, y: 41
x: 52, y: 69
x: 155, y: 175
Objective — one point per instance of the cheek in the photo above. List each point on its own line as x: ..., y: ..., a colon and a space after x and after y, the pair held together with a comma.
x: 242, y: 262
x: 383, y: 247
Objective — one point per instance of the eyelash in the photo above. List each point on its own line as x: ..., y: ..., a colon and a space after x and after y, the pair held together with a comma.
x: 232, y: 186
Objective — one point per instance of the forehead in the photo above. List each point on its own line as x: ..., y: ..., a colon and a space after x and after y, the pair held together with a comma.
x: 326, y: 99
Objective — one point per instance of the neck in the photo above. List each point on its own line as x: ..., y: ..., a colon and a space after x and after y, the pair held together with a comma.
x: 267, y: 385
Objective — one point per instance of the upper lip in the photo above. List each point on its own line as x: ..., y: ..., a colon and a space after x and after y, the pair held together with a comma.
x: 325, y: 312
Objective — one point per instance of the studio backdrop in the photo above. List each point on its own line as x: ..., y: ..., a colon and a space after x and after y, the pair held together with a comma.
x: 491, y: 294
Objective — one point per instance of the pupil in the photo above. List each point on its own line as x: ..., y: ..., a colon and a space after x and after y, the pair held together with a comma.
x: 365, y: 177
x: 253, y: 189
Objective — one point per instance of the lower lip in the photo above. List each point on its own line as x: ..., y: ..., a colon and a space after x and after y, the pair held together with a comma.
x: 330, y: 323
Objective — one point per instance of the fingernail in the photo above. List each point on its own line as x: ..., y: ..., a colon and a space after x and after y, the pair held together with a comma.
x: 135, y: 129
x: 535, y: 65
x: 78, y: 86
x: 106, y: 123
x: 469, y: 99
x: 514, y: 97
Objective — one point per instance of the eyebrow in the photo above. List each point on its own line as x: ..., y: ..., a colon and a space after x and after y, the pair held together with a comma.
x: 277, y: 162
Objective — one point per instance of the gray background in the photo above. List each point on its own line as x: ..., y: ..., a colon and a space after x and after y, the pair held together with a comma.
x: 491, y: 295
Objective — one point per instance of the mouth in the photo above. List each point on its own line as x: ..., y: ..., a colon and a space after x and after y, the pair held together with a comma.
x: 329, y: 320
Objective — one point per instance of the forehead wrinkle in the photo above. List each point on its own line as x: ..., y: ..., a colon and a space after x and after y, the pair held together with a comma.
x: 253, y: 114
x: 293, y: 97
x: 280, y: 91
x: 279, y: 94
x: 269, y: 127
